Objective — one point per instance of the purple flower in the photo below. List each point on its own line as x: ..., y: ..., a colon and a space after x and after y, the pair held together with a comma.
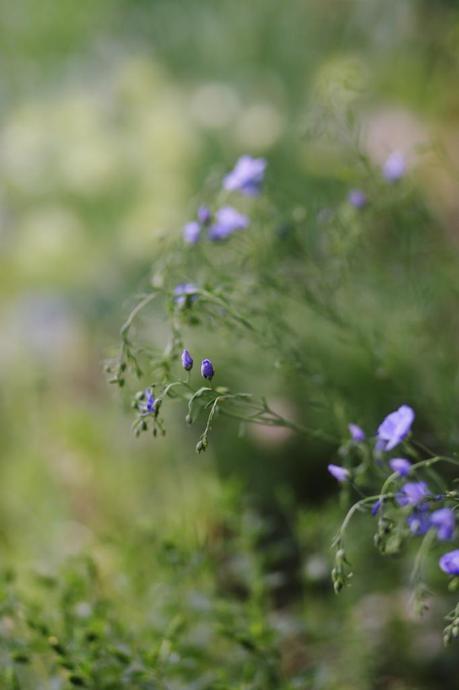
x: 395, y: 428
x: 191, y: 232
x: 227, y: 221
x: 449, y: 562
x: 184, y: 292
x: 401, y: 466
x: 207, y: 369
x: 376, y: 506
x: 419, y: 522
x: 412, y: 493
x: 148, y: 405
x: 187, y: 360
x: 356, y: 432
x: 339, y: 473
x: 357, y: 198
x: 246, y: 176
x: 395, y: 167
x: 204, y: 215
x: 444, y: 522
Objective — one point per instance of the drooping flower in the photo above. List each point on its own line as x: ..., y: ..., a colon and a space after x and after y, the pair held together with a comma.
x: 192, y: 232
x: 246, y: 176
x: 184, y: 292
x: 207, y: 369
x: 412, y: 493
x: 338, y: 472
x: 394, y: 167
x: 395, y: 427
x: 227, y: 221
x: 357, y: 434
x: 357, y: 198
x: 149, y: 402
x: 419, y: 521
x: 401, y: 466
x: 444, y: 522
x: 187, y: 360
x: 449, y: 562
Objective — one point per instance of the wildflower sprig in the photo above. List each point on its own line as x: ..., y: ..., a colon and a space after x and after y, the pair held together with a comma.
x: 407, y: 505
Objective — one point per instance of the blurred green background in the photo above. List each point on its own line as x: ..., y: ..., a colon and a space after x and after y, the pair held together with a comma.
x: 114, y: 115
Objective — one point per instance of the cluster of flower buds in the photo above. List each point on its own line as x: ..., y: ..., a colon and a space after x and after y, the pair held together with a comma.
x: 207, y: 368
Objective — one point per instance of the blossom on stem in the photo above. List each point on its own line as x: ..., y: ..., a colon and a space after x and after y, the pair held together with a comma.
x: 401, y: 466
x: 246, y: 176
x: 444, y: 522
x: 227, y: 221
x: 149, y: 403
x: 341, y: 474
x: 412, y: 493
x: 395, y: 427
x: 357, y: 434
x: 184, y: 292
x: 357, y: 198
x: 449, y: 562
x: 394, y: 167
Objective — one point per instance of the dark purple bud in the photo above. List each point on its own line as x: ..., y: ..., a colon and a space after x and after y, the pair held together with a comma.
x: 207, y: 369
x: 204, y: 215
x: 187, y: 360
x: 375, y: 507
x: 149, y: 403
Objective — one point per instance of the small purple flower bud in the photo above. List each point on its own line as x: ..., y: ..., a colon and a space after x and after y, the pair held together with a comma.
x: 449, y: 562
x: 341, y: 474
x: 395, y: 167
x: 444, y: 522
x: 148, y: 406
x: 204, y: 215
x: 187, y: 360
x: 357, y: 434
x: 401, y: 466
x: 207, y: 369
x: 191, y: 232
x: 394, y: 428
x: 357, y: 198
x: 376, y: 507
x: 227, y: 221
x: 412, y: 493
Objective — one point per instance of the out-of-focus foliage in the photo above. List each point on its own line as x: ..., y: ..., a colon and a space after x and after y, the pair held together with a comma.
x: 134, y: 562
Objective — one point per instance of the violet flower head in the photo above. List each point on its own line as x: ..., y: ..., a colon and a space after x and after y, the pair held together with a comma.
x: 357, y: 198
x: 191, y: 232
x: 184, y: 292
x: 204, y: 215
x: 395, y: 427
x: 149, y: 403
x: 357, y: 434
x: 394, y: 167
x: 401, y: 466
x: 207, y: 369
x: 246, y: 176
x: 341, y: 474
x: 444, y: 522
x: 412, y: 493
x: 227, y: 221
x: 187, y: 360
x: 419, y: 521
x: 449, y: 562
